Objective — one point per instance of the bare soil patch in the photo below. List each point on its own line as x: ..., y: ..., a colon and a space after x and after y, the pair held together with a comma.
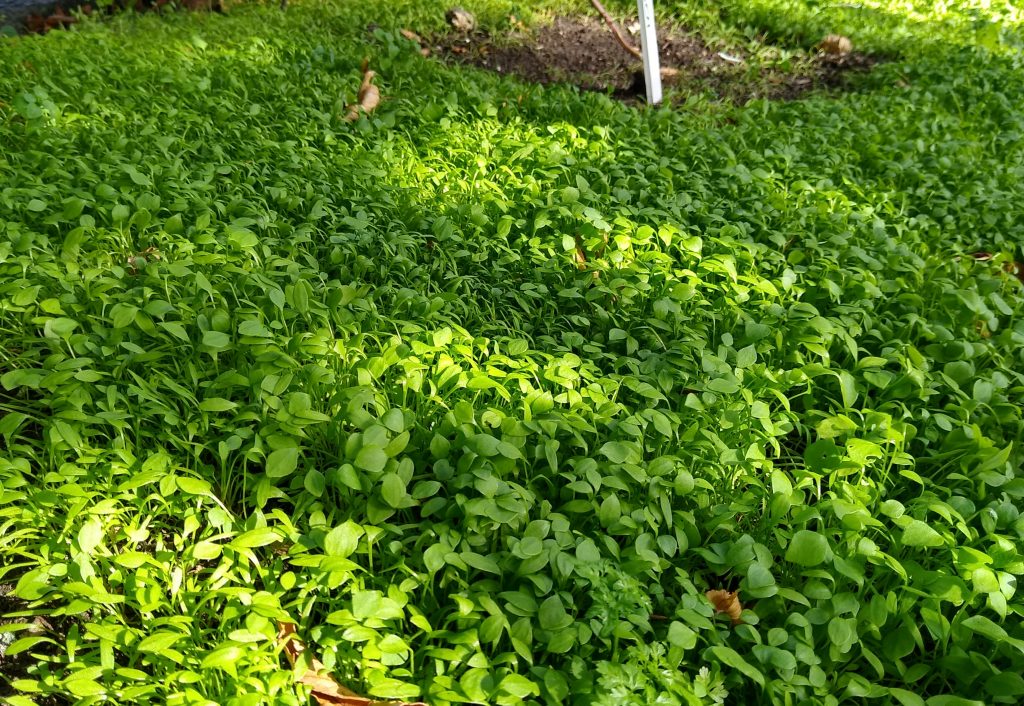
x: 583, y: 52
x: 14, y: 610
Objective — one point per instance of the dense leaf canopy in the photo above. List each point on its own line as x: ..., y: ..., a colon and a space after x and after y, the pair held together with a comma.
x: 485, y: 390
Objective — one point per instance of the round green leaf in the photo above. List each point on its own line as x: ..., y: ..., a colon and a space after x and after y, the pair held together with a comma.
x: 216, y: 340
x: 282, y: 462
x: 807, y: 548
x: 314, y: 482
x: 919, y: 534
x: 371, y: 458
x: 393, y: 489
x: 343, y: 539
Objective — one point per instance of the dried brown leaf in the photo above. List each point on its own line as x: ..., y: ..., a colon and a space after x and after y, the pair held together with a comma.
x: 836, y: 45
x: 581, y: 253
x: 727, y: 602
x: 1015, y: 269
x: 670, y: 75
x: 411, y: 36
x: 369, y: 96
x: 461, y: 19
x: 325, y: 690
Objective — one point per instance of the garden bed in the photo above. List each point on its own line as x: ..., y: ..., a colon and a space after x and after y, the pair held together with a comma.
x: 580, y: 50
x: 485, y: 392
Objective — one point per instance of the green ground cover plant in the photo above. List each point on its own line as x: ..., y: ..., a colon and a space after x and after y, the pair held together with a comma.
x: 485, y: 390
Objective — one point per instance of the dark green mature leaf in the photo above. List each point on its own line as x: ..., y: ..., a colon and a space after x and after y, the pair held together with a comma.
x: 552, y: 614
x: 1005, y: 684
x: 951, y: 700
x: 730, y: 657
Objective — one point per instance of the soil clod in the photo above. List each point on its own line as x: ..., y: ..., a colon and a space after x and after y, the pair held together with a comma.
x: 461, y: 20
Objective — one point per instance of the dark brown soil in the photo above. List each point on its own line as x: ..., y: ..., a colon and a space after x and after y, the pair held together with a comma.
x: 49, y: 17
x: 11, y: 667
x: 583, y: 51
x: 13, y: 610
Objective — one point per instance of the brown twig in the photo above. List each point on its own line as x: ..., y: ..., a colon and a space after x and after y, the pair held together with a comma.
x: 615, y: 29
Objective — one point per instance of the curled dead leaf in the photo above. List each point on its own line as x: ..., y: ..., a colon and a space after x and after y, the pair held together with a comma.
x: 1016, y: 269
x: 727, y: 602
x: 836, y: 45
x: 580, y: 254
x: 139, y: 260
x: 460, y: 19
x: 411, y: 36
x: 368, y: 97
x: 325, y: 690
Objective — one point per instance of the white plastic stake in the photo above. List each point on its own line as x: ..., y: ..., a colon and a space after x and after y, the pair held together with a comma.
x: 649, y: 49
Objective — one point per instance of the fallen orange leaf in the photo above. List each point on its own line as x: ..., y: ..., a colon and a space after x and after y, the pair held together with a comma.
x: 581, y: 255
x: 727, y: 602
x: 326, y: 691
x: 1011, y: 268
x: 369, y: 95
x: 1016, y: 269
x: 411, y: 36
x: 836, y: 45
